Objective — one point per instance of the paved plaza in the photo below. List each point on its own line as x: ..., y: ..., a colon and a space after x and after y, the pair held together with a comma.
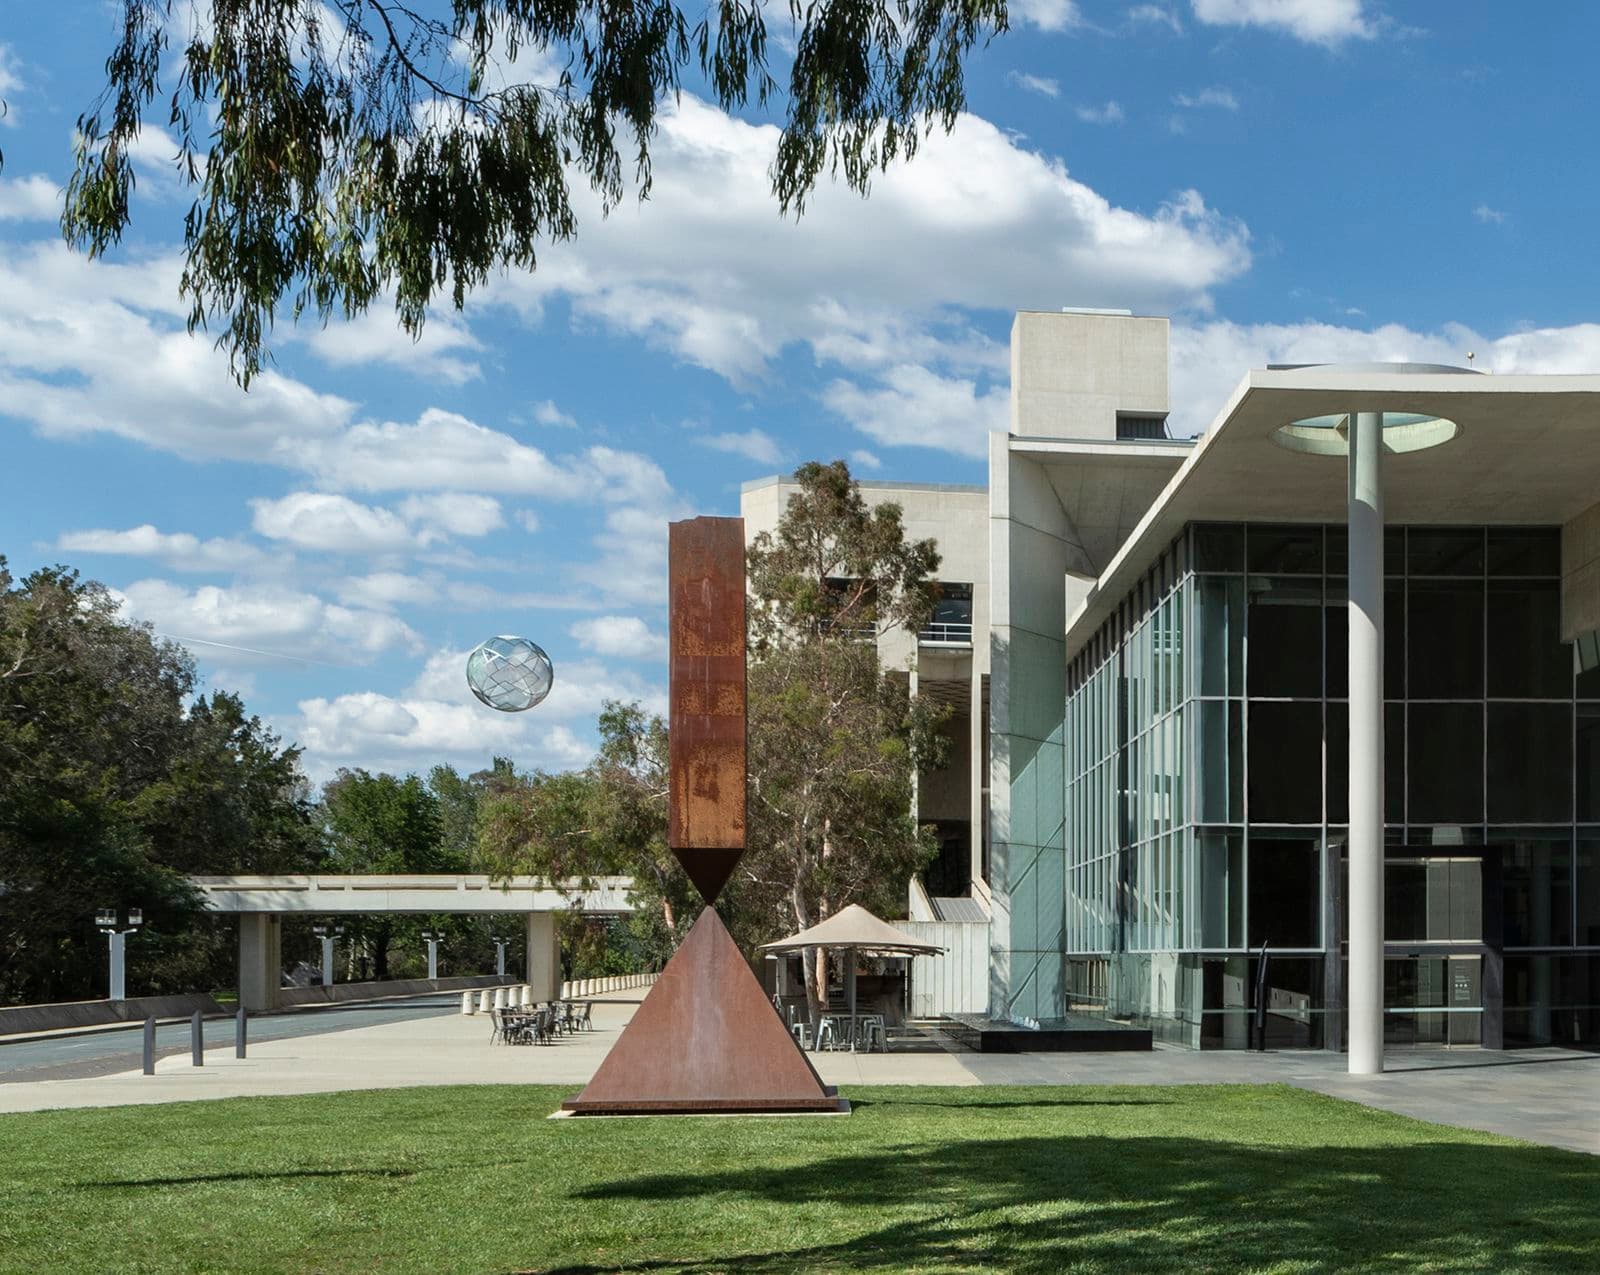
x: 1551, y: 1096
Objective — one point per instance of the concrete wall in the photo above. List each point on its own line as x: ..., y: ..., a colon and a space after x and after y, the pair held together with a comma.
x: 956, y: 981
x: 1580, y: 575
x: 41, y: 1018
x: 339, y: 993
x: 1072, y: 373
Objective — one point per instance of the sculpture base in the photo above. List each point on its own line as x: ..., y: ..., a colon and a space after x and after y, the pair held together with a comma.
x: 706, y: 1041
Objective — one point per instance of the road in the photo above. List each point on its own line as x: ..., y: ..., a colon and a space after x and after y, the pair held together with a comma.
x: 70, y: 1057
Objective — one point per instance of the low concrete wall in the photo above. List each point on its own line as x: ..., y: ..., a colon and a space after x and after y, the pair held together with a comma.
x: 43, y: 1018
x: 291, y: 997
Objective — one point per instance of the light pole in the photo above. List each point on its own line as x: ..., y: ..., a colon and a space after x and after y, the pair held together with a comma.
x: 433, y: 938
x: 329, y: 934
x: 500, y: 955
x: 105, y: 920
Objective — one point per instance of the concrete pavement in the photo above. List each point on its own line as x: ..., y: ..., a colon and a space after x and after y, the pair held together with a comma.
x: 1550, y: 1096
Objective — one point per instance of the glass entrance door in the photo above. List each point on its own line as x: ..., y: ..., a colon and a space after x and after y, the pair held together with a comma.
x: 1433, y: 1000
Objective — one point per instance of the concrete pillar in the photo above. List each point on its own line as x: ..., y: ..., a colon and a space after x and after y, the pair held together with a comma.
x: 433, y: 959
x: 327, y: 960
x: 543, y: 970
x: 469, y: 1005
x: 1365, y: 937
x: 484, y: 1004
x: 260, y: 961
x: 119, y: 965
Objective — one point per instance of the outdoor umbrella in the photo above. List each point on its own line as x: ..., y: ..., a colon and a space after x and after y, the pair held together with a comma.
x: 854, y: 929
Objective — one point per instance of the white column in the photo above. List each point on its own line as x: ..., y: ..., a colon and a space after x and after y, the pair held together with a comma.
x: 1365, y: 934
x: 543, y: 969
x: 260, y: 970
x: 327, y: 960
x: 119, y: 965
x: 500, y: 959
x: 433, y: 959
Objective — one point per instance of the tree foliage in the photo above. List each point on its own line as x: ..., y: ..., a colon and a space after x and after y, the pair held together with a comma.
x: 341, y: 148
x: 112, y: 791
x: 835, y: 738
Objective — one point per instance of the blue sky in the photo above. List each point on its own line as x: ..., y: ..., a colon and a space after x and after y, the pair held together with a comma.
x: 1290, y: 180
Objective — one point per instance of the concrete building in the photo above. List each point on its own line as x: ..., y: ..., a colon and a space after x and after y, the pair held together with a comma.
x: 1326, y: 679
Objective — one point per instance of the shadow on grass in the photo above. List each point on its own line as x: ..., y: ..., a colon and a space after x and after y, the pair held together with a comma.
x: 1044, y: 1204
x: 998, y: 1104
x: 194, y: 1179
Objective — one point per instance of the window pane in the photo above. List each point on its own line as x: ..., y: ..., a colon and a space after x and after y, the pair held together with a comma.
x: 1219, y: 612
x: 1394, y: 763
x: 1336, y: 638
x: 1394, y: 551
x: 1537, y: 879
x: 1589, y: 887
x: 1588, y: 767
x: 1530, y: 763
x: 1444, y: 551
x: 1444, y: 761
x: 1285, y: 627
x: 1524, y: 551
x: 1218, y: 547
x: 1394, y: 640
x: 1285, y: 890
x: 1445, y: 640
x: 1221, y: 759
x: 1527, y: 658
x: 1293, y: 550
x: 1221, y: 911
x: 1285, y: 763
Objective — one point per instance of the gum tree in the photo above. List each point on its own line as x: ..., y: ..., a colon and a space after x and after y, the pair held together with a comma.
x: 339, y: 149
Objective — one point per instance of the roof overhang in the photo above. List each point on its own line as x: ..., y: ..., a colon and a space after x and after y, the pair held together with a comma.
x: 333, y: 895
x: 1528, y: 451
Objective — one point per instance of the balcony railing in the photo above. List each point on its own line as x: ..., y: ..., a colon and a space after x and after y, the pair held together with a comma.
x: 946, y: 633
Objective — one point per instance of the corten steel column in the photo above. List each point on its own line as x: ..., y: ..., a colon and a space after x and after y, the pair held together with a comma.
x: 1365, y: 934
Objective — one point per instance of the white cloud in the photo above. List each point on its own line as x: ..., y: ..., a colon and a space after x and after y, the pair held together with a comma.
x: 1327, y: 22
x: 547, y: 413
x: 863, y: 459
x: 708, y: 270
x: 914, y: 407
x: 335, y: 524
x: 11, y: 85
x: 1155, y: 15
x: 1220, y: 98
x: 1109, y: 113
x: 1489, y: 216
x: 34, y: 198
x: 1047, y: 15
x: 96, y: 347
x: 1040, y: 84
x: 179, y: 550
x: 385, y: 590
x: 454, y: 513
x: 624, y: 636
x: 1209, y: 360
x: 441, y: 451
x: 753, y: 444
x: 266, y: 622
x: 376, y: 337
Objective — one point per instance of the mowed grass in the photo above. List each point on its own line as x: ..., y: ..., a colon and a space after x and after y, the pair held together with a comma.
x: 1020, y: 1179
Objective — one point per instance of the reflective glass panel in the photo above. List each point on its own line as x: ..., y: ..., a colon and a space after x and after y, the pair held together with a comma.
x: 1444, y: 631
x: 1444, y: 551
x: 1285, y: 889
x: 1524, y: 551
x: 1285, y: 762
x: 1588, y: 763
x: 1527, y: 658
x: 1289, y: 550
x: 1536, y: 876
x: 1218, y: 547
x: 1530, y: 762
x: 1444, y: 763
x: 1285, y: 627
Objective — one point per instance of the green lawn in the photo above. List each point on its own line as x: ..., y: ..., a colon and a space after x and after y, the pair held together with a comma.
x: 1038, y: 1179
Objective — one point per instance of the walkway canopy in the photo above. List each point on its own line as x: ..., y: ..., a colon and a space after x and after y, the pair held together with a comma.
x: 857, y: 930
x: 855, y: 927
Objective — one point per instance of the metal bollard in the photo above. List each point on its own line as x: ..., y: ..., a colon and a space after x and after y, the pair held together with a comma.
x: 239, y: 1033
x: 197, y: 1040
x: 150, y: 1046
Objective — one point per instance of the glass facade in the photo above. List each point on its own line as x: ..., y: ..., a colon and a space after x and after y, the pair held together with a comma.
x: 1205, y: 739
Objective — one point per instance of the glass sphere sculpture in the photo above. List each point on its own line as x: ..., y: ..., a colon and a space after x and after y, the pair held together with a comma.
x: 510, y: 673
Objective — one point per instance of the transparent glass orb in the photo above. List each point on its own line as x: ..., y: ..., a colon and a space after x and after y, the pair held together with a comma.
x: 510, y: 673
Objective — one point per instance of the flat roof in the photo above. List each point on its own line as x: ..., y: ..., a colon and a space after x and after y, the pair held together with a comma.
x: 1528, y: 451
x: 872, y: 484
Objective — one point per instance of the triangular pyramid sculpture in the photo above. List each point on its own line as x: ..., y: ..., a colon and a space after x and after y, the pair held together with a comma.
x: 706, y: 1039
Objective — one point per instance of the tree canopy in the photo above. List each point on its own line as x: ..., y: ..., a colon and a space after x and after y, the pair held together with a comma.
x: 342, y: 148
x: 112, y: 791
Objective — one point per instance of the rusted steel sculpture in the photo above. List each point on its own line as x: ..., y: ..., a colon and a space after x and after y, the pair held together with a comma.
x: 706, y: 1039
